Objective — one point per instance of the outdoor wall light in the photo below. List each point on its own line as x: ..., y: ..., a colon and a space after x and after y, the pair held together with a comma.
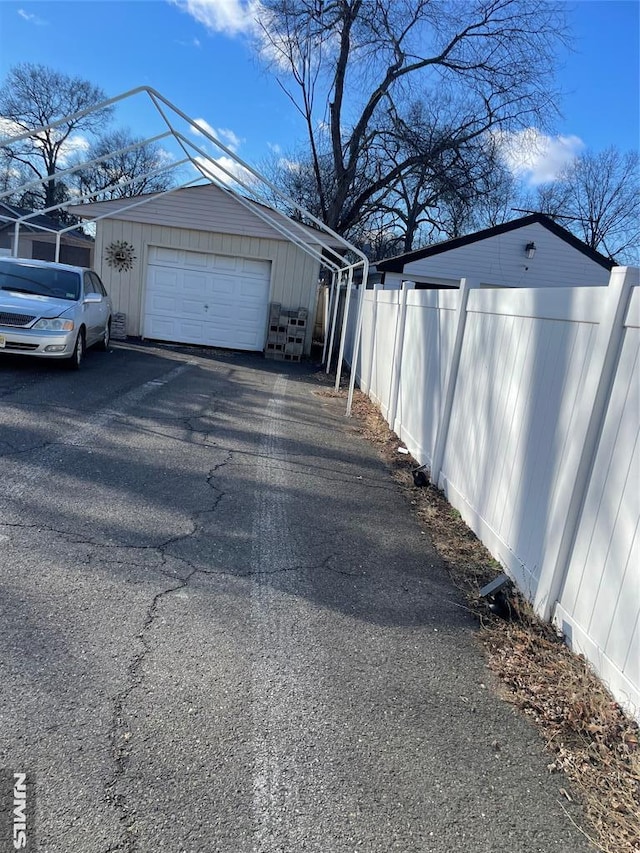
x: 530, y: 250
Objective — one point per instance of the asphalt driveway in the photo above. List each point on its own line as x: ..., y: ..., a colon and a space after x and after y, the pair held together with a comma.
x: 221, y: 630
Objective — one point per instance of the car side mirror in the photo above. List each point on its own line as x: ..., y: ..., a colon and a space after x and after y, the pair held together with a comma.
x: 92, y: 297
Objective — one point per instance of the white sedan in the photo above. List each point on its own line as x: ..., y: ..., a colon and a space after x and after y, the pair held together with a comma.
x: 52, y: 310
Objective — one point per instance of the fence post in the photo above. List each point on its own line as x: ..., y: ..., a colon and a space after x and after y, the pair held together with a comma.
x: 365, y: 384
x: 345, y: 320
x: 398, y: 346
x: 604, y: 363
x: 442, y: 433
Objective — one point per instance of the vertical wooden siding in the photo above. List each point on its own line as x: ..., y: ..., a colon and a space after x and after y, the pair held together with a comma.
x: 294, y: 274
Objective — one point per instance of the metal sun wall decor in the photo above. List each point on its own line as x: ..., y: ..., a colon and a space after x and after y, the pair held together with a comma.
x: 120, y: 255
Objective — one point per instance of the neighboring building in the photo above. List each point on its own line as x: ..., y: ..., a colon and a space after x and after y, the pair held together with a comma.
x: 533, y: 251
x: 197, y: 265
x: 34, y: 241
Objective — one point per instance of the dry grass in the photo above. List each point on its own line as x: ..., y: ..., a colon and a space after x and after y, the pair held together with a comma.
x: 588, y: 737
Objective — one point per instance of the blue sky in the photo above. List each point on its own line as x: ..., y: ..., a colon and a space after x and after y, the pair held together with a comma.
x: 212, y: 74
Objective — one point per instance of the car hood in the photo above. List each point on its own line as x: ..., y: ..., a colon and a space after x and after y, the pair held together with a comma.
x: 29, y: 303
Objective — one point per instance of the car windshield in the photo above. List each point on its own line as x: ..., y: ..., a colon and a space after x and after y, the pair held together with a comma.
x: 42, y: 281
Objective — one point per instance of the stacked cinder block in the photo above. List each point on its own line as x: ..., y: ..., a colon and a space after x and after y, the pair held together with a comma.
x: 119, y: 327
x: 277, y: 335
x: 287, y: 328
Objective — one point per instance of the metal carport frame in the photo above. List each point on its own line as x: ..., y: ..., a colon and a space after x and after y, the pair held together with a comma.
x: 209, y: 171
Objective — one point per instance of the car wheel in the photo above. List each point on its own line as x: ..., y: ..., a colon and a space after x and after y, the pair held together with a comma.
x: 78, y: 352
x: 105, y: 340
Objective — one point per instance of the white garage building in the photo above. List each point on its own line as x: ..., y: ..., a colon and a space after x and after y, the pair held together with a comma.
x: 532, y: 251
x: 199, y: 266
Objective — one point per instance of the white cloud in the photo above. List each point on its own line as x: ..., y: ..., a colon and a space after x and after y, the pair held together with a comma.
x: 229, y: 172
x: 204, y: 125
x: 230, y: 139
x: 535, y: 157
x: 224, y: 169
x: 32, y: 19
x: 242, y: 17
x: 289, y: 165
x: 226, y: 136
x: 229, y: 17
x: 77, y: 144
x: 166, y: 158
x: 9, y: 129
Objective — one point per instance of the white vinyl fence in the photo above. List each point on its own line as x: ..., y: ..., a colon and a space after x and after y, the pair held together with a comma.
x: 525, y: 405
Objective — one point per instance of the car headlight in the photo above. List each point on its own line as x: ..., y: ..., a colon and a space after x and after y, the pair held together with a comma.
x: 57, y: 324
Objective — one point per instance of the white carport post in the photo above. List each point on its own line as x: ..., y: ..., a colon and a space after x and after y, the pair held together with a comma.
x: 336, y: 302
x: 328, y: 305
x: 16, y: 239
x: 345, y: 317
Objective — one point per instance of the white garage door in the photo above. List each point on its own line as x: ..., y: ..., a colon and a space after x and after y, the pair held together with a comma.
x: 213, y: 300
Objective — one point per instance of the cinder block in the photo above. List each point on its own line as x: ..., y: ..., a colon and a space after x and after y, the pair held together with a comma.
x: 119, y: 326
x: 297, y: 322
x: 290, y: 357
x: 293, y: 349
x: 277, y: 329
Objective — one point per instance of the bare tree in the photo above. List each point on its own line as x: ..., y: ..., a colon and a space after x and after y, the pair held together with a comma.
x: 125, y: 167
x: 356, y: 69
x: 461, y: 188
x: 34, y: 96
x: 598, y: 198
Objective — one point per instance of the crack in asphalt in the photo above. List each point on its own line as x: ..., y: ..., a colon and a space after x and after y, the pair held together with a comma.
x: 13, y: 451
x: 119, y: 733
x: 161, y: 547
